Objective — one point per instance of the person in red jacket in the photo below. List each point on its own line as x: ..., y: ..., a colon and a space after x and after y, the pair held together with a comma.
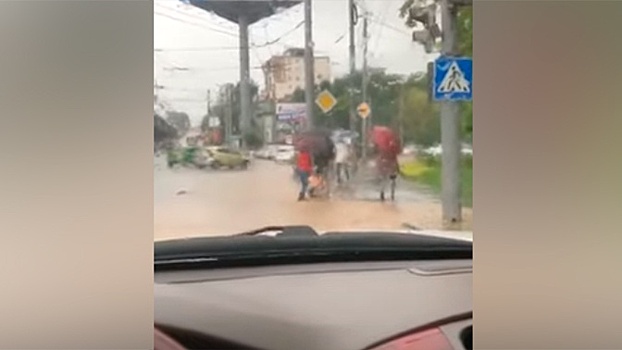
x: 304, y: 168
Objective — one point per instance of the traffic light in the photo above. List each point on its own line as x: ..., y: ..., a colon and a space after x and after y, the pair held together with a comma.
x: 425, y: 38
x: 421, y: 15
x: 431, y: 31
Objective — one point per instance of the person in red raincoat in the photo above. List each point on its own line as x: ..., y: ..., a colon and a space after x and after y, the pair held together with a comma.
x: 387, y: 149
x: 304, y: 169
x: 388, y: 168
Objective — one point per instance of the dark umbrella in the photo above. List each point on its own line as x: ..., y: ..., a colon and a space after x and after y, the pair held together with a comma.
x: 316, y: 141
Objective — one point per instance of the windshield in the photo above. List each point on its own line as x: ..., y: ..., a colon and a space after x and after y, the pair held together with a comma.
x: 255, y: 127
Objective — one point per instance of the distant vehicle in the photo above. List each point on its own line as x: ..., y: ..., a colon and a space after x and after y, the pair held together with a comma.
x: 467, y: 149
x: 262, y: 153
x: 272, y: 151
x: 226, y: 157
x: 409, y: 149
x: 438, y: 150
x: 203, y: 158
x: 189, y: 157
x: 434, y: 150
x: 284, y: 154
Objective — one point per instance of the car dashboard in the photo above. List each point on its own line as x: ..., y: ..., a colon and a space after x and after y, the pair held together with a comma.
x: 320, y: 306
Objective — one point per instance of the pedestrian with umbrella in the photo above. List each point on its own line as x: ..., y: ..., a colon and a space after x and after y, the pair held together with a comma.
x: 322, y: 149
x: 387, y: 148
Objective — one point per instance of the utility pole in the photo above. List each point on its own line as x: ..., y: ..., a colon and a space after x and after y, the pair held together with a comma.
x: 364, y: 87
x: 450, y: 129
x: 309, y: 62
x: 400, y: 124
x: 245, y: 90
x: 209, y: 102
x: 229, y: 115
x: 353, y: 20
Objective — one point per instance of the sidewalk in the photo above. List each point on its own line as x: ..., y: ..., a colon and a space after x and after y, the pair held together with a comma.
x: 363, y: 187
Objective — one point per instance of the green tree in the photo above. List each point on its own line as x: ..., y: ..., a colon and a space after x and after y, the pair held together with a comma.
x: 383, y: 92
x: 162, y: 130
x: 421, y: 121
x: 180, y: 120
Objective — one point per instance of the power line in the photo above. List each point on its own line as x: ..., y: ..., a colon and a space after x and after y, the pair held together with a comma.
x: 385, y: 24
x: 218, y: 48
x: 379, y: 34
x: 223, y: 26
x: 195, y: 24
x: 200, y: 18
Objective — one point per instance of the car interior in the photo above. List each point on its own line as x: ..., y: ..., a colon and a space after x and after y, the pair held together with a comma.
x: 277, y: 293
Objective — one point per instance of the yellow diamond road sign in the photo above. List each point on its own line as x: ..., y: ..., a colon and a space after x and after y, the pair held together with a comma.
x: 326, y: 101
x: 363, y: 110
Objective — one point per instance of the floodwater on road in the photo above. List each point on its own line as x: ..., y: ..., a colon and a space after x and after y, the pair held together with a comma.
x: 191, y: 202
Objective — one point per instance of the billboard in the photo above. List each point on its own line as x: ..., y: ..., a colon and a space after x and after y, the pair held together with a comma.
x: 290, y: 112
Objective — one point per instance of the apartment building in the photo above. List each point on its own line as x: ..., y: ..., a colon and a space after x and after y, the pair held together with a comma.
x: 286, y: 73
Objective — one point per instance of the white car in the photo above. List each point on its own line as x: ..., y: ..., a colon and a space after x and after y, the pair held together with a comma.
x: 284, y: 155
x: 438, y: 150
x: 272, y: 150
x: 467, y: 149
x: 409, y: 149
x: 261, y: 154
x: 434, y: 151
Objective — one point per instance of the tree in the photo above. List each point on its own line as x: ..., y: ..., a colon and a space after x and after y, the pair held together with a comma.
x: 253, y: 139
x: 162, y: 130
x: 179, y: 120
x: 421, y: 121
x: 383, y: 92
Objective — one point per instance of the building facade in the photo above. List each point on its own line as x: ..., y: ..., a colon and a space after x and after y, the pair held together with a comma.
x: 286, y: 73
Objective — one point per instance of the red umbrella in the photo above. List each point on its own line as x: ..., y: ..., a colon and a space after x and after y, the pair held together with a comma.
x: 385, y: 140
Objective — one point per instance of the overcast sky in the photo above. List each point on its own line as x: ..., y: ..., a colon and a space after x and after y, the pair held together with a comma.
x: 207, y: 46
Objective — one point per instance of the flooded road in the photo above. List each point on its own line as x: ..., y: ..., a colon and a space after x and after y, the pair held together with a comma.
x: 190, y: 202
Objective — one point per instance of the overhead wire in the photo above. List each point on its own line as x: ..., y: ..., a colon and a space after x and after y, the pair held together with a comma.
x: 378, y: 35
x: 217, y: 48
x: 200, y: 18
x: 195, y: 24
x: 389, y: 26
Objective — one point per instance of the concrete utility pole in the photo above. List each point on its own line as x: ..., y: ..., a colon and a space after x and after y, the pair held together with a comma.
x: 209, y: 102
x: 309, y: 62
x: 353, y: 19
x: 245, y: 90
x: 450, y: 129
x: 229, y: 115
x: 365, y: 121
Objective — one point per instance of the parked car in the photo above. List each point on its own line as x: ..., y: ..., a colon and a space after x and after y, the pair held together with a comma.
x: 467, y: 149
x: 227, y: 157
x: 262, y: 153
x: 438, y: 150
x: 285, y: 288
x: 409, y: 150
x: 189, y: 157
x: 203, y: 158
x: 434, y: 150
x: 285, y: 154
x: 272, y: 151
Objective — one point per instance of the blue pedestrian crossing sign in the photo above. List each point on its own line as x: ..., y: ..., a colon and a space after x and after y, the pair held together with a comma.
x: 453, y: 79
